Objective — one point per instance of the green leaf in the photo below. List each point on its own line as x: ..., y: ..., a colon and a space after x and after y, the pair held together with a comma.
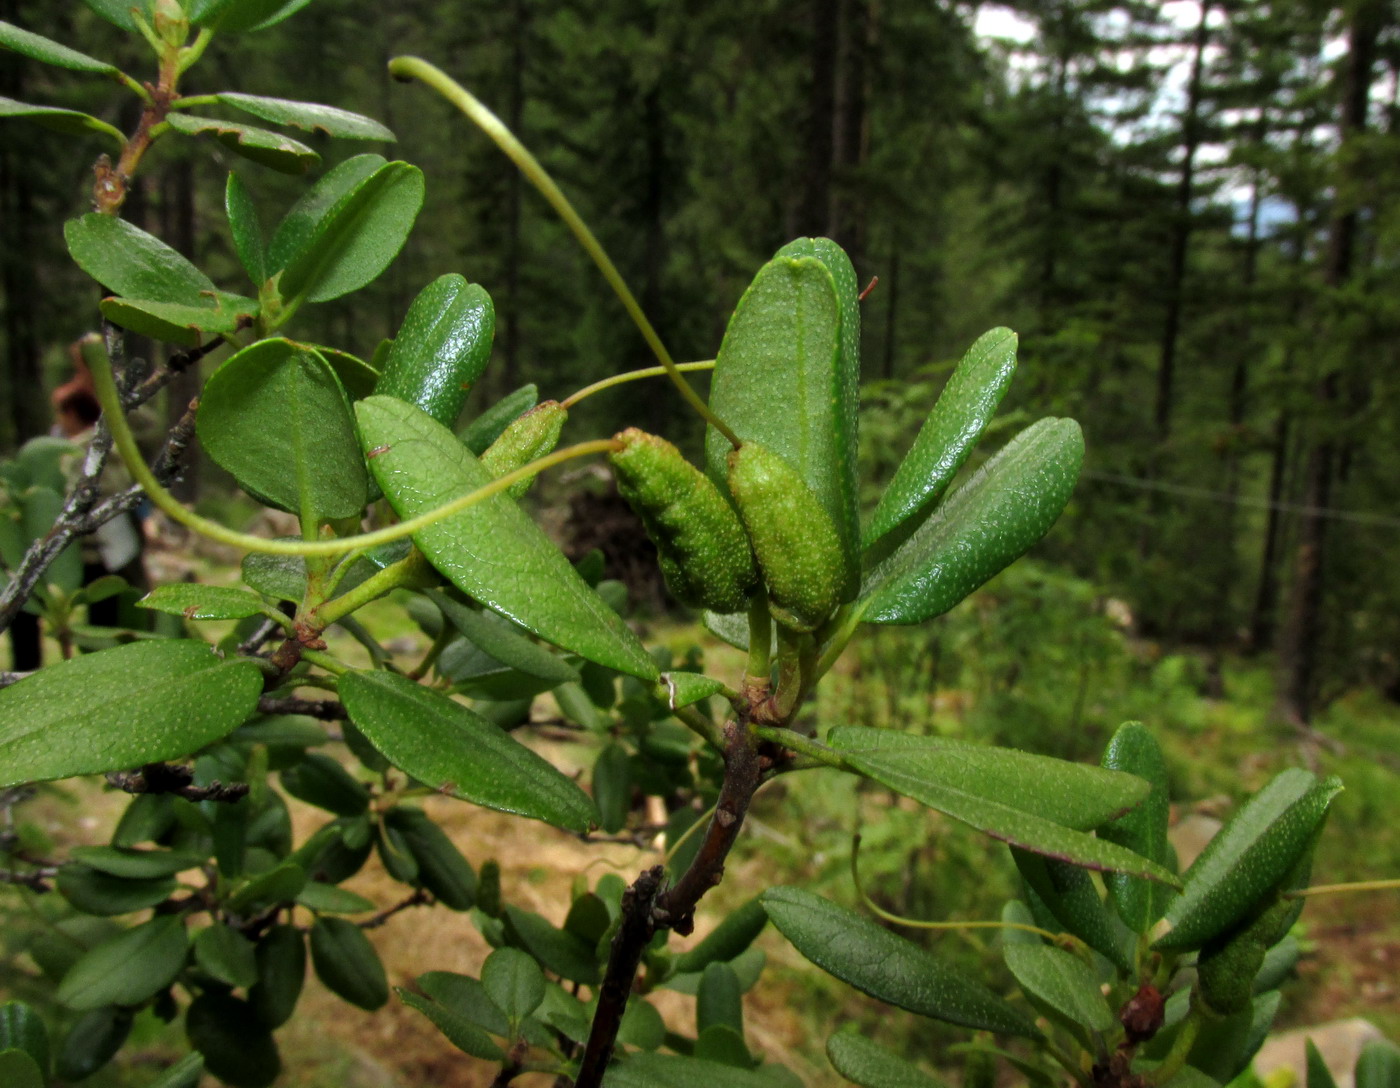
x: 991, y: 520
x: 500, y: 639
x: 719, y: 1000
x: 612, y: 787
x: 1074, y: 795
x: 1065, y: 984
x: 69, y: 122
x: 491, y: 551
x: 281, y: 962
x: 246, y: 229
x: 329, y: 899
x: 275, y: 416
x: 478, y: 435
x: 128, y: 261
x: 687, y: 688
x: 865, y: 1062
x: 1069, y: 894
x: 887, y: 967
x: 241, y: 15
x: 22, y: 1029
x: 37, y: 47
x: 1378, y: 1066
x: 133, y: 704
x: 226, y: 954
x: 728, y: 940
x: 443, y: 743
x: 128, y: 968
x: 261, y: 145
x: 103, y: 894
x: 178, y: 322
x: 1134, y: 750
x: 721, y: 1043
x: 514, y: 982
x: 19, y: 1070
x: 136, y: 864
x: 1318, y: 1075
x: 302, y: 220
x: 465, y: 995
x: 779, y: 381
x: 279, y: 885
x: 321, y: 781
x: 347, y: 963
x: 185, y: 1073
x: 357, y: 237
x: 309, y: 116
x: 92, y: 1041
x: 358, y: 377
x: 1248, y: 857
x: 441, y: 867
x: 643, y: 1027
x: 441, y: 348
x: 119, y: 11
x: 653, y: 1070
x: 948, y: 435
x: 460, y: 1031
x: 556, y: 950
x: 237, y: 1047
x: 200, y: 602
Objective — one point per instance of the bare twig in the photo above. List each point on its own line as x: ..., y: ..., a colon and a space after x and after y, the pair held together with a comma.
x: 36, y: 879
x: 171, y: 778
x: 327, y: 710
x: 418, y: 899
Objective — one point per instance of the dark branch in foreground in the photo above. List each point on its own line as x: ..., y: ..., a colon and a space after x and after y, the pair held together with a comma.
x: 646, y: 908
x: 169, y: 778
x: 327, y: 710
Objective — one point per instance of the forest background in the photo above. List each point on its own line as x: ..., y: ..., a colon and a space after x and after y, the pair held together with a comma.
x: 1187, y: 210
x: 1190, y: 212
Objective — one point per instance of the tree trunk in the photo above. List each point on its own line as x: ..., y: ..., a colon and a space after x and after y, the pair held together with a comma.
x: 813, y: 212
x: 1301, y: 635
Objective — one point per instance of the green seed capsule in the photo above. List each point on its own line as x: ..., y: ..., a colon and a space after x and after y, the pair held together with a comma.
x: 794, y: 538
x: 532, y: 435
x: 703, y: 551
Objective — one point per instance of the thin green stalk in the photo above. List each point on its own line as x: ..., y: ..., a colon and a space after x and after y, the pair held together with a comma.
x: 689, y: 831
x: 332, y: 665
x: 835, y: 636
x: 190, y: 54
x: 760, y: 638
x: 341, y: 569
x: 916, y: 923
x: 125, y: 442
x: 406, y: 68
x: 404, y: 572
x: 1340, y: 889
x: 803, y: 746
x: 1179, y: 1052
x: 444, y: 636
x: 632, y: 376
x: 696, y: 722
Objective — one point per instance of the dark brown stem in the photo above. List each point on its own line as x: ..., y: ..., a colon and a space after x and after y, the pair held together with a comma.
x: 417, y: 899
x: 170, y: 778
x: 644, y: 911
x: 327, y: 710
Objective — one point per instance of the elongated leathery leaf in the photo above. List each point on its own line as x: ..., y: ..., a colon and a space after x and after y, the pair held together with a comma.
x: 358, y: 236
x: 200, y: 602
x: 441, y: 348
x: 276, y: 417
x: 69, y: 122
x: 1072, y: 794
x: 1066, y: 984
x: 261, y: 145
x: 347, y: 963
x: 460, y: 1031
x: 247, y: 232
x: 948, y: 435
x: 304, y: 217
x: 865, y: 1062
x: 843, y: 278
x: 778, y: 381
x: 37, y: 47
x: 1070, y: 896
x: 221, y: 313
x: 654, y: 1070
x: 311, y: 116
x: 1248, y: 857
x: 986, y: 797
x: 128, y: 261
x: 491, y: 551
x: 120, y: 708
x: 22, y: 1029
x: 872, y: 959
x: 443, y: 743
x: 120, y: 11
x: 984, y: 525
x: 128, y: 968
x: 239, y: 15
x: 502, y: 641
x: 1143, y: 830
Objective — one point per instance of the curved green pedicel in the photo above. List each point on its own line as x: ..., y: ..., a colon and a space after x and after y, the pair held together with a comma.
x: 779, y: 380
